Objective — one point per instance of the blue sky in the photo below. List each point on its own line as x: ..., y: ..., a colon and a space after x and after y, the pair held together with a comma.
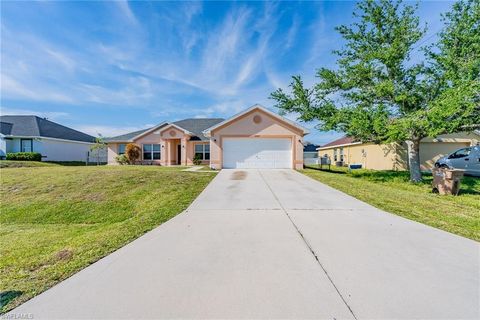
x: 115, y: 67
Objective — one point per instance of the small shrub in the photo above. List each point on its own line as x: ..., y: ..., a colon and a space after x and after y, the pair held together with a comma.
x: 197, y: 160
x: 132, y: 152
x: 24, y: 156
x: 121, y: 159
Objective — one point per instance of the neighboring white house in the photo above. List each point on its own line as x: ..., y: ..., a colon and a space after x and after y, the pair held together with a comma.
x: 19, y: 133
x: 310, y: 154
x: 310, y: 151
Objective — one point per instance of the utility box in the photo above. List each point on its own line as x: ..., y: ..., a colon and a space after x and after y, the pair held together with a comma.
x: 446, y: 181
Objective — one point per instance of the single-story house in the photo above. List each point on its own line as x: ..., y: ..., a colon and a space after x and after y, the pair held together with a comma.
x: 23, y: 133
x: 393, y: 156
x: 253, y: 138
x: 310, y: 150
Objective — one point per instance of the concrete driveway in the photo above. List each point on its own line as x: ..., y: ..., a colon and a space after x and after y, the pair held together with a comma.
x: 276, y: 244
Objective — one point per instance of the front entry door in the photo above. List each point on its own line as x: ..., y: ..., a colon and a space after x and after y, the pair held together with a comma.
x: 179, y: 154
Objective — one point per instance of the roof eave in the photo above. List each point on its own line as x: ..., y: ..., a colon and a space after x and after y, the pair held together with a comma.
x: 15, y: 136
x: 147, y: 131
x: 179, y: 128
x: 339, y: 145
x: 117, y: 141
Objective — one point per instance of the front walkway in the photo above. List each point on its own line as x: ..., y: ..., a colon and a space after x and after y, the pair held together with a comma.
x: 276, y: 244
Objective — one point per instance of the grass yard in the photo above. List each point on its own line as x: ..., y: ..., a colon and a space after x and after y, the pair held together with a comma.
x: 29, y: 164
x: 56, y: 220
x: 391, y: 191
x: 23, y: 164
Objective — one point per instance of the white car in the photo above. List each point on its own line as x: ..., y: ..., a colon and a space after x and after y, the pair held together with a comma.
x: 467, y: 159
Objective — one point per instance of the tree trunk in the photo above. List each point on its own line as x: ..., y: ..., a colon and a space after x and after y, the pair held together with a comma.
x: 413, y: 150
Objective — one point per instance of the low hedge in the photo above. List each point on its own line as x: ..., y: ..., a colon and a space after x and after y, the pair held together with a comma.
x: 24, y: 156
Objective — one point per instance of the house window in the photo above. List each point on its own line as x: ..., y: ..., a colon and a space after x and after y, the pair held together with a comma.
x: 335, y: 158
x: 26, y: 145
x: 121, y: 148
x: 151, y: 152
x: 202, y: 151
x: 341, y: 154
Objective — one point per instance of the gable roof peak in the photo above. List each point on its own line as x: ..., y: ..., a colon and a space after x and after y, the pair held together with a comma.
x: 207, y: 131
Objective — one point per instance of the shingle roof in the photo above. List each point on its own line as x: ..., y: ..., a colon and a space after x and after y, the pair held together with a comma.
x: 193, y: 125
x: 33, y: 126
x: 343, y: 140
x: 6, y: 128
x: 197, y: 126
x: 127, y: 136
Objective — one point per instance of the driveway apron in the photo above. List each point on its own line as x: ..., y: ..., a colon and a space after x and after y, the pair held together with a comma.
x: 275, y: 244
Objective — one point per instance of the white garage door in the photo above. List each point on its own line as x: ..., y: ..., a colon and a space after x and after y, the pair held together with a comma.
x: 257, y: 153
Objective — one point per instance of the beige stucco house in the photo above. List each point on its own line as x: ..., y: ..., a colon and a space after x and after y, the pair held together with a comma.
x: 393, y: 156
x: 254, y: 138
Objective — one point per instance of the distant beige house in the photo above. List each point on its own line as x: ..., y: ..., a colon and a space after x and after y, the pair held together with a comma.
x: 393, y: 156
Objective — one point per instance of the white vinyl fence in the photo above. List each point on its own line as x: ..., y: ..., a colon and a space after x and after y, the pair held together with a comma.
x: 97, y: 156
x: 311, y: 161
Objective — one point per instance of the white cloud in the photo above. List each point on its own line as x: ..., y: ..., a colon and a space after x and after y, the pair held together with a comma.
x: 135, y: 91
x: 234, y: 57
x: 11, y: 88
x: 292, y: 32
x: 127, y: 12
x: 320, y: 42
x: 222, y: 46
x: 191, y: 9
x: 277, y: 81
x: 62, y: 58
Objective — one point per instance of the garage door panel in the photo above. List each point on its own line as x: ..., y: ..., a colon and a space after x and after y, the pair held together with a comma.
x: 261, y: 153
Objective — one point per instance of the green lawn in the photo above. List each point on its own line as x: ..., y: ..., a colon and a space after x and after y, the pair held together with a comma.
x: 23, y: 164
x: 391, y: 191
x: 29, y: 164
x: 56, y: 220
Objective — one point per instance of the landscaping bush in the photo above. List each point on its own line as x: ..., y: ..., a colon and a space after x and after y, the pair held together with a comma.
x: 24, y: 156
x: 121, y: 159
x: 197, y: 160
x: 132, y: 152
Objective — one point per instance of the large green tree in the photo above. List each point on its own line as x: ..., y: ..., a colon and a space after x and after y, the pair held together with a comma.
x: 378, y: 93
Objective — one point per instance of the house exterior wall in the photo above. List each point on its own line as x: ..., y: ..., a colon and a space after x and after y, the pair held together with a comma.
x: 171, y: 133
x: 246, y: 127
x: 50, y: 149
x: 9, y: 145
x: 369, y: 155
x: 53, y: 150
x: 470, y: 138
x: 112, y: 152
x: 169, y: 139
x: 172, y: 138
x: 394, y: 156
x: 191, y: 152
x: 153, y: 137
x: 15, y: 146
x: 3, y: 147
